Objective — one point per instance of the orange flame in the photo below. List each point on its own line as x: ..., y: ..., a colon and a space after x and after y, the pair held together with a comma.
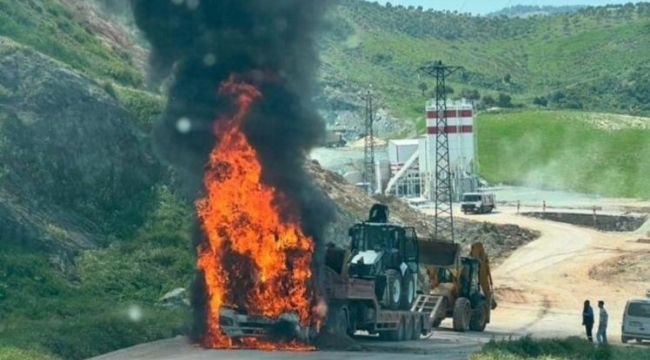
x: 254, y: 259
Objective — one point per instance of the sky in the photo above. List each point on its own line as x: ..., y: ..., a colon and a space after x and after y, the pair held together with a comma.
x: 487, y: 6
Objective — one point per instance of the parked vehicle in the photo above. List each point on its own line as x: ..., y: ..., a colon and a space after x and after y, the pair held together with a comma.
x: 478, y: 203
x: 636, y: 320
x: 462, y: 285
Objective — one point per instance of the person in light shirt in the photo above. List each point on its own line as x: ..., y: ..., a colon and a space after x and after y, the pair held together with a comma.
x: 601, y: 335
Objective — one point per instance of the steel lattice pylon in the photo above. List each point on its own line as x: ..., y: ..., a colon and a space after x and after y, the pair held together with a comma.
x: 369, y: 146
x: 444, y: 220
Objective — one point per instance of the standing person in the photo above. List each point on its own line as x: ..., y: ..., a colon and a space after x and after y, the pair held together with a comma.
x: 588, y: 320
x: 601, y: 335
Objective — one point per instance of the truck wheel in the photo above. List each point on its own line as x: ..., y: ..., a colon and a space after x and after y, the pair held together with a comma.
x: 479, y: 317
x: 624, y: 339
x: 398, y: 334
x: 393, y: 293
x: 462, y: 314
x: 408, y: 328
x: 337, y: 320
x: 408, y: 291
x: 417, y: 328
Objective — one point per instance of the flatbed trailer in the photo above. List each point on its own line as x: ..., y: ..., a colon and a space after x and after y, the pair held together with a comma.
x: 354, y: 306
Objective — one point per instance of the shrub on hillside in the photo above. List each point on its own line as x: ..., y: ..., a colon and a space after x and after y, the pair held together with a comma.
x: 526, y: 348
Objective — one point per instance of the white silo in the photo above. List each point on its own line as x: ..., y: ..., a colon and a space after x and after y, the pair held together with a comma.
x: 462, y: 150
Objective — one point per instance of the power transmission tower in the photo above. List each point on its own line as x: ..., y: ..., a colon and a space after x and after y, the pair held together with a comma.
x: 444, y: 220
x: 369, y: 146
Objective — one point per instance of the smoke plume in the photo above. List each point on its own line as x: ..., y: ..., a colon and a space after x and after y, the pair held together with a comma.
x: 200, y: 43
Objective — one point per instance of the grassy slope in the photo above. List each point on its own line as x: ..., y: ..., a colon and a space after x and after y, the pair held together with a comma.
x: 542, y: 55
x: 51, y: 28
x: 46, y: 316
x: 561, y: 150
x: 553, y: 349
x: 44, y: 313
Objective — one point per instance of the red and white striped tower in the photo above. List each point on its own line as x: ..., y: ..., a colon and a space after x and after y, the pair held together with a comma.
x: 460, y: 131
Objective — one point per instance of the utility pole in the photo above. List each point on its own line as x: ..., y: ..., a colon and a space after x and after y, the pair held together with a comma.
x: 369, y: 146
x: 444, y: 220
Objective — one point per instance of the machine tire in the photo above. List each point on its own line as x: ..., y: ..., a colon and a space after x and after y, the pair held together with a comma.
x: 398, y: 334
x: 417, y: 328
x: 393, y: 292
x: 479, y: 317
x: 462, y: 314
x: 408, y: 291
x: 409, y: 328
x: 337, y: 322
x: 351, y: 327
x: 624, y: 339
x: 638, y: 341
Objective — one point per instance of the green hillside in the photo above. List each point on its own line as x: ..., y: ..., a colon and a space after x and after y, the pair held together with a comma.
x: 594, y: 59
x: 587, y: 152
x: 52, y: 28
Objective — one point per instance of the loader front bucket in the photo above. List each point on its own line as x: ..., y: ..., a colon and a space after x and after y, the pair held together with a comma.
x: 438, y: 253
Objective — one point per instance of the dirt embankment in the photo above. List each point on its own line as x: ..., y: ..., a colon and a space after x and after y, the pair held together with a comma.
x: 630, y: 267
x: 621, y: 223
x: 353, y: 205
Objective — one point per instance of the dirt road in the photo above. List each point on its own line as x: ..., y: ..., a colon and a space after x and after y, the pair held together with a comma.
x: 540, y: 288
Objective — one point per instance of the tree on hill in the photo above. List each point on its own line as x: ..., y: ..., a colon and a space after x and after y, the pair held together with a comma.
x: 504, y: 100
x: 541, y: 101
x: 488, y: 101
x: 423, y: 87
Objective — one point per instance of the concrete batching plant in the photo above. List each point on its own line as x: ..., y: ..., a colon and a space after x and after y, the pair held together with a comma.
x: 412, y: 162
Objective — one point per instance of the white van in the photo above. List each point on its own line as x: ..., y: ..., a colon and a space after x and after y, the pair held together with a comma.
x: 636, y: 320
x: 478, y: 203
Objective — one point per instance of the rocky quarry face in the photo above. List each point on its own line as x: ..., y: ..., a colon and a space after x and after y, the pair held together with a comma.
x: 342, y: 106
x: 74, y: 167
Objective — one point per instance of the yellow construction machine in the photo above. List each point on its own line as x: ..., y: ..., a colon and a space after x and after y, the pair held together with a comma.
x: 461, y: 286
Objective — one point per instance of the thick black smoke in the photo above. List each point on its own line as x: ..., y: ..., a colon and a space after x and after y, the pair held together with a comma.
x: 201, y: 43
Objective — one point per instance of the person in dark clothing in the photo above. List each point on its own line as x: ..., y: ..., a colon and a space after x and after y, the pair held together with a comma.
x: 588, y: 319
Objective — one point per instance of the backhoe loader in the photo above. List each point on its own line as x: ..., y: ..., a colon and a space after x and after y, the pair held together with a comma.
x: 462, y: 285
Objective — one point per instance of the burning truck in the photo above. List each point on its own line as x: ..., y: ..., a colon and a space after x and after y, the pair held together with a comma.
x: 238, y: 127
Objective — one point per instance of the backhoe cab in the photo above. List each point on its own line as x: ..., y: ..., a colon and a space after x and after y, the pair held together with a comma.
x: 388, y: 254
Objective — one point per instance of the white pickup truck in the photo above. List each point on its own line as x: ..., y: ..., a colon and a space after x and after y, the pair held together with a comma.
x: 478, y: 203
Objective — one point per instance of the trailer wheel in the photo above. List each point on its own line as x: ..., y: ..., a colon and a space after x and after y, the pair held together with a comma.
x: 408, y: 290
x: 479, y: 317
x: 398, y: 334
x: 462, y: 314
x: 408, y: 328
x: 393, y: 292
x: 417, y: 328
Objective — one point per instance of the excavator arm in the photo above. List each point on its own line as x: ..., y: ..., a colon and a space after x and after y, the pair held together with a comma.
x: 485, y: 274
